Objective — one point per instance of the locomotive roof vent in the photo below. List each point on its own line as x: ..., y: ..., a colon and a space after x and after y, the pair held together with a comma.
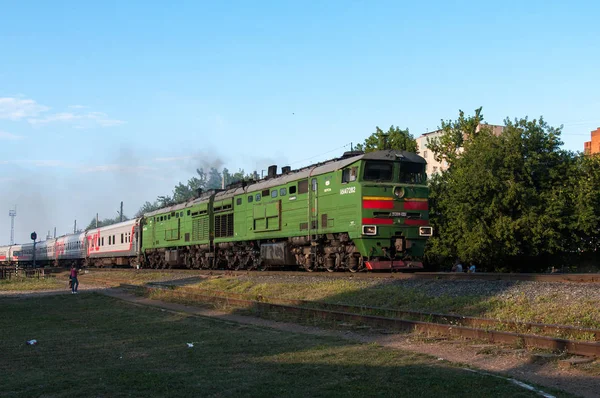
x: 272, y: 173
x: 285, y: 169
x: 349, y: 154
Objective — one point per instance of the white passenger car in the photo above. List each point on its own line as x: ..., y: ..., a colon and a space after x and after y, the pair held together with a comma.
x: 70, y: 249
x: 115, y: 244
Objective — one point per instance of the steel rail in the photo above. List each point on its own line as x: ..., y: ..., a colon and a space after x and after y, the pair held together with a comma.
x: 525, y: 340
x: 478, y: 276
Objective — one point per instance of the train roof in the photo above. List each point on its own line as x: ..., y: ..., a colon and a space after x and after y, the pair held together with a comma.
x: 294, y: 175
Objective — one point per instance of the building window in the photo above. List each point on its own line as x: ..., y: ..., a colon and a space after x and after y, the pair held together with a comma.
x: 434, y: 169
x: 425, y: 154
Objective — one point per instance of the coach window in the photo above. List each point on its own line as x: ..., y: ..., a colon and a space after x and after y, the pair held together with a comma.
x: 181, y: 214
x: 102, y: 244
x: 250, y: 198
x: 114, y: 240
x: 302, y: 186
x: 122, y: 238
x: 258, y: 197
x: 282, y: 192
x: 274, y: 193
x: 176, y: 215
x: 292, y: 189
x: 169, y: 217
x: 238, y: 201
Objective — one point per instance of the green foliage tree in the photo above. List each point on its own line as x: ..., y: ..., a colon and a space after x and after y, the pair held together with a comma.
x: 505, y: 201
x: 394, y: 138
x: 455, y: 133
x: 147, y: 208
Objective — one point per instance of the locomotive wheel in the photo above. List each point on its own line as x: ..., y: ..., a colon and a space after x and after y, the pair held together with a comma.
x: 309, y: 267
x: 357, y: 267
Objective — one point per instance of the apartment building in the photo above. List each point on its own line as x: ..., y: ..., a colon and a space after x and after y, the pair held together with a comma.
x: 434, y: 166
x: 593, y: 146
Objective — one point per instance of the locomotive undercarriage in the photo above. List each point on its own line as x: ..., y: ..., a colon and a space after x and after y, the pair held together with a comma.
x: 331, y: 252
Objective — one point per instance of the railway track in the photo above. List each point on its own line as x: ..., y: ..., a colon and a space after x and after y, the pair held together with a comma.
x: 581, y: 278
x: 458, y: 327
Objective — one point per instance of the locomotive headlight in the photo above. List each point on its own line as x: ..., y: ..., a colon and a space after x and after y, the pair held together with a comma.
x: 369, y: 230
x: 399, y: 192
x: 425, y: 231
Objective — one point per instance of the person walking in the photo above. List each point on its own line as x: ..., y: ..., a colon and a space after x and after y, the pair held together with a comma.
x: 74, y: 281
x: 457, y: 267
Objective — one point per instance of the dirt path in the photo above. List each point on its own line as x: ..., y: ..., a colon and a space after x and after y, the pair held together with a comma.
x: 512, y: 363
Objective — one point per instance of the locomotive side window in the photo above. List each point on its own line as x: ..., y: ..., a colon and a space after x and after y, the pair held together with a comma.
x: 189, y: 212
x: 274, y: 193
x: 250, y: 198
x: 313, y: 183
x: 282, y: 192
x: 349, y: 175
x: 258, y: 197
x: 238, y: 201
x: 302, y: 187
x: 378, y: 171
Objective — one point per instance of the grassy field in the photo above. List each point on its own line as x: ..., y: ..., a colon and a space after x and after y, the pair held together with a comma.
x: 26, y: 284
x: 546, y: 308
x: 91, y: 345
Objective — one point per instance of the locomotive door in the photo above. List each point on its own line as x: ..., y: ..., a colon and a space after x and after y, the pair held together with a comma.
x: 313, y: 207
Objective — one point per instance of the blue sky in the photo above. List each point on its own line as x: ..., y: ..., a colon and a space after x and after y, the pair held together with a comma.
x: 110, y: 101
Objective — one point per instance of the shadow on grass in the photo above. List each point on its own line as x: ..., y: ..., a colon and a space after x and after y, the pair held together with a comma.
x: 91, y: 345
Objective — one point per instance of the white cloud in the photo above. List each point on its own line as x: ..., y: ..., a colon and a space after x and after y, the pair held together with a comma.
x: 172, y: 159
x: 115, y: 167
x: 79, y: 116
x: 17, y: 109
x: 81, y: 120
x: 10, y: 137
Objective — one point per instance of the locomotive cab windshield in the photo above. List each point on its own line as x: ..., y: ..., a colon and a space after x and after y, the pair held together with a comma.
x: 411, y: 173
x: 383, y: 171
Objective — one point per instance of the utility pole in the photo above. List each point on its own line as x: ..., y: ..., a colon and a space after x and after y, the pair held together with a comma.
x: 75, y: 227
x: 54, y: 232
x: 121, y: 213
x: 12, y: 214
x: 96, y: 220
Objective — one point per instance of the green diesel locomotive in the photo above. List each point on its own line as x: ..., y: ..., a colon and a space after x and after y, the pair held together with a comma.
x: 358, y: 212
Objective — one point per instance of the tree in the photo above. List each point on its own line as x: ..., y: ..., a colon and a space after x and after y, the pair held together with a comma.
x: 214, y: 179
x: 504, y: 203
x: 454, y: 135
x: 394, y: 138
x: 147, y: 208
